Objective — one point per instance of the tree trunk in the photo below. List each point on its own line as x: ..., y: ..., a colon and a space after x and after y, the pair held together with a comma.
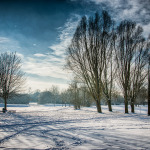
x: 132, y: 105
x: 126, y: 104
x: 99, y: 110
x: 109, y: 105
x: 5, y: 101
x: 149, y: 88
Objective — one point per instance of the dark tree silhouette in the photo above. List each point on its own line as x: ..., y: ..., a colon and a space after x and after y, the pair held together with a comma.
x: 149, y: 88
x: 109, y: 70
x: 148, y: 47
x: 86, y: 54
x: 131, y: 50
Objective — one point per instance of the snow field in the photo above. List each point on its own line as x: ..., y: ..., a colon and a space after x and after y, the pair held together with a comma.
x: 48, y: 127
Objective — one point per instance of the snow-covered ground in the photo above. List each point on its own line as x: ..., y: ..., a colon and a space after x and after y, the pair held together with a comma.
x: 48, y: 127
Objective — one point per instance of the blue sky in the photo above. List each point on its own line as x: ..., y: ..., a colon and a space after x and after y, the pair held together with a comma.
x: 40, y: 31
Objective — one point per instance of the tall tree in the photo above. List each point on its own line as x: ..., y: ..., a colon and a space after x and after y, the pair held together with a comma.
x: 130, y: 54
x: 149, y: 88
x: 138, y: 71
x: 86, y: 53
x: 109, y: 72
x: 11, y: 76
x: 148, y: 47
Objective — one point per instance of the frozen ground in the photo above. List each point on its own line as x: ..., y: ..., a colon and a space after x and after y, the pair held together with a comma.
x: 48, y: 127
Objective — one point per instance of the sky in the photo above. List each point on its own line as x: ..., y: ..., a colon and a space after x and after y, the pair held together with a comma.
x: 39, y: 31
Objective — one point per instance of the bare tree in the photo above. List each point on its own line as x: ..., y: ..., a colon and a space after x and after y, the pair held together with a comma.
x: 64, y: 97
x: 11, y: 76
x: 76, y: 101
x: 138, y: 72
x: 129, y: 57
x: 149, y: 88
x: 86, y: 53
x: 109, y: 72
x: 148, y: 47
x: 55, y: 91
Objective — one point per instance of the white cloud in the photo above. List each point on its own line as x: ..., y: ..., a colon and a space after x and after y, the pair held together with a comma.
x: 9, y: 44
x: 43, y: 72
x: 111, y: 3
x: 39, y: 55
x: 34, y: 44
x: 20, y: 55
x: 131, y: 11
x: 49, y: 66
x: 146, y: 29
x: 135, y: 10
x: 124, y: 9
x: 4, y: 40
x: 65, y: 36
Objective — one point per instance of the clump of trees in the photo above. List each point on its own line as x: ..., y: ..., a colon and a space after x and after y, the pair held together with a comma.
x: 79, y: 95
x: 11, y: 76
x: 34, y: 96
x: 51, y: 96
x: 45, y: 97
x: 102, y: 54
x: 76, y: 95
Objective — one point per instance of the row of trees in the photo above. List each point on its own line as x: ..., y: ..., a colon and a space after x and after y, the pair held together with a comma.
x: 76, y: 95
x: 72, y: 96
x: 102, y: 55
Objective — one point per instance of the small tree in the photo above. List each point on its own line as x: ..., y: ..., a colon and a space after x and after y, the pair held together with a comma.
x: 142, y: 96
x: 55, y: 91
x: 64, y: 97
x: 76, y: 101
x: 11, y: 76
x: 85, y: 96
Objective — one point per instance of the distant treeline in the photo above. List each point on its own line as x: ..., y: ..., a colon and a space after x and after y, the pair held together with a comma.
x: 79, y: 97
x: 18, y: 99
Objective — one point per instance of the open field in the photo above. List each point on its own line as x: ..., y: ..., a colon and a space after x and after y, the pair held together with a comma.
x: 48, y: 127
